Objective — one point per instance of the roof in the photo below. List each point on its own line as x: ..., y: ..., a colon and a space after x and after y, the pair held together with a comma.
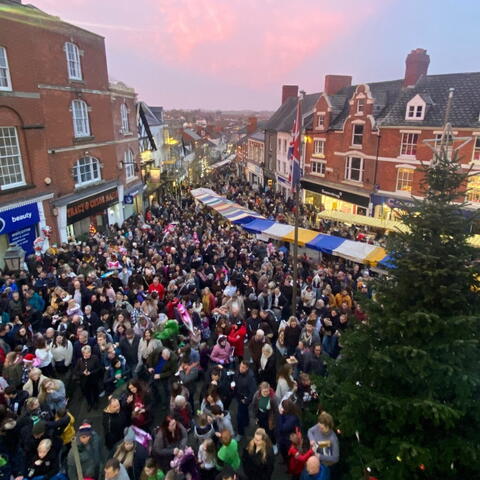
x: 282, y: 120
x: 192, y: 134
x: 151, y: 118
x: 259, y: 135
x: 434, y: 89
x: 158, y: 112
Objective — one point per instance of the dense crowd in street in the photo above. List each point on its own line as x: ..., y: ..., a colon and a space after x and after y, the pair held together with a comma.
x: 180, y: 328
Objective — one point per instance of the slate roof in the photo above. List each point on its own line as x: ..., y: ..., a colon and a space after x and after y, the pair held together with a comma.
x: 465, y: 107
x: 158, y: 112
x: 192, y: 134
x: 259, y: 135
x: 282, y: 120
x: 151, y: 118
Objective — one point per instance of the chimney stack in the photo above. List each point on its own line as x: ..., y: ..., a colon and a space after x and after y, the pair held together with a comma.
x: 416, y: 65
x: 334, y: 83
x: 252, y: 125
x: 289, y: 91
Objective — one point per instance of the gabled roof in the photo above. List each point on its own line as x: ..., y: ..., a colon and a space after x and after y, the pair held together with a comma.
x: 282, y: 120
x: 150, y: 117
x: 465, y: 108
x: 158, y: 112
x: 192, y: 134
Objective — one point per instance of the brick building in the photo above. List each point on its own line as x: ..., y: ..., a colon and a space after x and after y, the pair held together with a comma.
x: 68, y: 137
x: 366, y: 142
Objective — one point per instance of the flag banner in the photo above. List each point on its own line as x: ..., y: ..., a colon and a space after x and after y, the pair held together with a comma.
x: 294, y: 150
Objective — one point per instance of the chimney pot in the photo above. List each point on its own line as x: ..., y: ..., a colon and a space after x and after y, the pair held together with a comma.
x: 334, y: 83
x: 289, y: 91
x: 416, y: 65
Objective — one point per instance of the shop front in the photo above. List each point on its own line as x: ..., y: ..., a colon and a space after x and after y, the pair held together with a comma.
x: 325, y: 196
x: 388, y: 207
x: 133, y: 201
x: 254, y: 174
x: 98, y: 207
x: 284, y: 186
x: 19, y: 225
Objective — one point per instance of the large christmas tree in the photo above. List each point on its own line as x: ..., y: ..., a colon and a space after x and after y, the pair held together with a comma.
x: 405, y: 391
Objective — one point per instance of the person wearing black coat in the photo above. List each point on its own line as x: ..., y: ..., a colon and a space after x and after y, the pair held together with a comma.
x: 244, y: 386
x: 258, y: 459
x: 88, y: 371
x: 45, y: 462
x: 114, y: 420
x: 129, y: 348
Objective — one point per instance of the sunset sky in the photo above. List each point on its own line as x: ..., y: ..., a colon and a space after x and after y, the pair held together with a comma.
x: 236, y: 54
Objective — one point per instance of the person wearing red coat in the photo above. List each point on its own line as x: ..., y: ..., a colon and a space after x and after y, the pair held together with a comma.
x: 236, y: 338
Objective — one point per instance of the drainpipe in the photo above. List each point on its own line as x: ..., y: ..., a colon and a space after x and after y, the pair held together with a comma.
x: 374, y: 190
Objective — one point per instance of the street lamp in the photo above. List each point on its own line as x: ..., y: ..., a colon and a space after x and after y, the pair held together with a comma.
x: 14, y: 257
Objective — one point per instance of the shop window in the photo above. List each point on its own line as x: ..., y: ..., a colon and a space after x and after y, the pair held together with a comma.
x: 124, y: 118
x: 318, y: 168
x: 354, y: 169
x: 473, y: 189
x: 357, y: 134
x: 129, y: 164
x: 11, y: 165
x: 409, y: 144
x: 5, y: 82
x: 319, y: 147
x: 86, y: 171
x: 81, y: 125
x: 476, y: 150
x: 73, y: 61
x: 404, y: 179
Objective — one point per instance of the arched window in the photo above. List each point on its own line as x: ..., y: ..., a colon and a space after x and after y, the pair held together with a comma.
x: 129, y: 164
x: 124, y: 118
x: 81, y: 125
x: 73, y: 61
x: 86, y: 170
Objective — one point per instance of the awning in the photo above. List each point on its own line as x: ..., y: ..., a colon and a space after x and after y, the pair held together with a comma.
x: 278, y: 231
x: 223, y: 162
x: 257, y: 226
x: 362, y: 220
x: 356, y: 251
x: 325, y: 243
x: 304, y: 236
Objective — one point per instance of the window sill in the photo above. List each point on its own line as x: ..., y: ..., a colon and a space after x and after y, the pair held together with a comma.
x: 6, y: 191
x: 126, y: 134
x: 76, y: 81
x: 83, y: 186
x: 318, y: 155
x: 6, y: 89
x: 318, y: 174
x: 357, y: 147
x: 356, y: 183
x: 83, y: 139
x: 407, y: 157
x: 131, y: 179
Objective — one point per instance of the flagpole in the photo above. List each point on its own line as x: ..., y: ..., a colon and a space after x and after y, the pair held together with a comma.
x: 296, y: 203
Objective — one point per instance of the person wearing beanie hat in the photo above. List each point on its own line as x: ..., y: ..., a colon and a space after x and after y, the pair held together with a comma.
x: 38, y: 429
x: 90, y: 452
x: 131, y: 454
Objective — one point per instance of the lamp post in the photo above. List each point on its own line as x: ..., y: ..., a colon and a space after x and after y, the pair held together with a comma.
x: 14, y: 258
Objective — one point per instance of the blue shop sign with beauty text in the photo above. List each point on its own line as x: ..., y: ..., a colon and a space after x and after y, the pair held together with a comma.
x: 19, y: 218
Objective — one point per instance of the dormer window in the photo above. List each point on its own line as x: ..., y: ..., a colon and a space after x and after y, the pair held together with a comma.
x: 320, y: 120
x: 415, y: 109
x: 360, y: 105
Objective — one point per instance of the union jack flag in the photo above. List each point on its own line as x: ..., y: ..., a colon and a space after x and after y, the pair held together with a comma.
x: 294, y: 149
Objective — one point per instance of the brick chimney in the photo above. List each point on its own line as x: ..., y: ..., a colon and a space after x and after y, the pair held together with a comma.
x: 252, y: 125
x: 289, y: 91
x: 334, y: 83
x: 416, y: 65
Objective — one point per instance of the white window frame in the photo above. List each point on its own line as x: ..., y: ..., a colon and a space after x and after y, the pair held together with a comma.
x: 416, y: 108
x: 5, y: 70
x: 404, y: 179
x: 354, y: 134
x: 349, y: 170
x: 81, y: 121
x: 473, y: 196
x: 318, y: 167
x: 74, y: 65
x: 10, y: 158
x: 361, y: 105
x: 319, y: 146
x: 90, y: 163
x: 321, y: 120
x: 408, y: 145
x: 476, y: 149
x: 124, y: 118
x: 129, y: 164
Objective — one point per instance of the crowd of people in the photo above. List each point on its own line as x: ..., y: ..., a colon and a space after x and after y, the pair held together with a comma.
x: 180, y: 329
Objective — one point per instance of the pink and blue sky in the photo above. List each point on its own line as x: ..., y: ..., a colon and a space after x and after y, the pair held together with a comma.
x: 236, y: 54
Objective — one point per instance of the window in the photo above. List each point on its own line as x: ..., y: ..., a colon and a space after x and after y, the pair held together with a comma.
x: 5, y: 83
x: 404, y: 179
x: 438, y: 141
x: 476, y: 150
x: 318, y: 168
x: 11, y: 166
x: 318, y: 147
x: 129, y: 164
x: 73, y: 61
x: 473, y: 189
x: 86, y: 170
x: 415, y: 112
x: 360, y: 105
x: 279, y: 145
x: 320, y: 120
x: 270, y: 143
x: 124, y: 117
x: 409, y: 144
x: 81, y: 127
x: 357, y: 134
x: 354, y: 169
x: 284, y: 146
